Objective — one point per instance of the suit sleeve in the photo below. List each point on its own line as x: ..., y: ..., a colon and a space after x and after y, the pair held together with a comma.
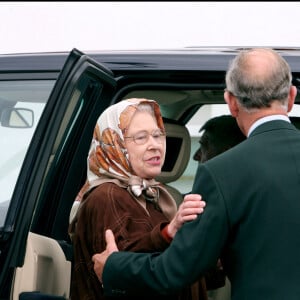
x: 195, y: 248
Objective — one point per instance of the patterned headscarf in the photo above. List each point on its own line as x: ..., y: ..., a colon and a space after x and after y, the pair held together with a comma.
x: 108, y: 159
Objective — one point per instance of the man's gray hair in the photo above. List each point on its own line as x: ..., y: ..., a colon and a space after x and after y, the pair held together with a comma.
x: 259, y: 89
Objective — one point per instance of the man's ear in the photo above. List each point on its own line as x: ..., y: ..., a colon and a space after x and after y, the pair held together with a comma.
x: 232, y: 103
x: 292, y: 96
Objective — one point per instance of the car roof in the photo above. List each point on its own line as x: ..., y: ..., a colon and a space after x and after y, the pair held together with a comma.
x: 189, y: 59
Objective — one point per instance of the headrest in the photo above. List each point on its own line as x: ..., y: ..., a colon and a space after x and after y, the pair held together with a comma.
x: 177, y: 152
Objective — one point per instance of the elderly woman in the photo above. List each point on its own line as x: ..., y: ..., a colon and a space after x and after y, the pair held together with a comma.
x: 126, y: 154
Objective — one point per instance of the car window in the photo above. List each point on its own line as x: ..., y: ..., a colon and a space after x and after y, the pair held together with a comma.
x: 205, y: 112
x: 21, y: 106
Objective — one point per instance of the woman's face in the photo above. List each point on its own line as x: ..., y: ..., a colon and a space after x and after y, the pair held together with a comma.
x: 147, y: 158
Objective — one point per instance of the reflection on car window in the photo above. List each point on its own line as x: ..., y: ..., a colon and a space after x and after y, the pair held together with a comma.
x: 24, y: 96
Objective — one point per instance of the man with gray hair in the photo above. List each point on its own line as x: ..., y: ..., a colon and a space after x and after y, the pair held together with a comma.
x: 251, y: 219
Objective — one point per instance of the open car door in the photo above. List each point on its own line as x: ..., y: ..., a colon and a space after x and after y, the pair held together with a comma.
x: 33, y: 261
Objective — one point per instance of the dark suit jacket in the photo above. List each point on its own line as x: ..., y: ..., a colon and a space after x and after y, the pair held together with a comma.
x: 251, y: 221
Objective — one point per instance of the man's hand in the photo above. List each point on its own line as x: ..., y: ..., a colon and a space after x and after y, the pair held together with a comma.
x: 99, y: 259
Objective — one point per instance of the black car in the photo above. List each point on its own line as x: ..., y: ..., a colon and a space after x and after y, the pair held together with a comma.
x: 49, y: 104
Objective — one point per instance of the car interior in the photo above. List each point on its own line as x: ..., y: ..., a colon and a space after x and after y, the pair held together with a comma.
x: 47, y: 267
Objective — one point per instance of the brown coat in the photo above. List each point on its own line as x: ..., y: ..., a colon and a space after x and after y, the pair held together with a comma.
x: 110, y: 206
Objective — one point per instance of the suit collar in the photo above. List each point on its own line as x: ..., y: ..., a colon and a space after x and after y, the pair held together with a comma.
x: 267, y: 119
x: 271, y: 125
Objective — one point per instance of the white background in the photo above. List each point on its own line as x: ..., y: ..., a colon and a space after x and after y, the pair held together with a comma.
x: 57, y: 26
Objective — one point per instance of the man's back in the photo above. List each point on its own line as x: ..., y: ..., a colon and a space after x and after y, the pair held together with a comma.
x: 259, y: 182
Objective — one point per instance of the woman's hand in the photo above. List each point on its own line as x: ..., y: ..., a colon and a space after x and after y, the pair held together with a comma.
x: 191, y: 206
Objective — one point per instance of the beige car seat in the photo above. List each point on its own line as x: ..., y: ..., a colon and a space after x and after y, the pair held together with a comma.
x: 46, y: 271
x: 177, y: 157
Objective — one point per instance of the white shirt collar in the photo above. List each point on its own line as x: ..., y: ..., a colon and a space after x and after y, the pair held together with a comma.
x: 267, y: 119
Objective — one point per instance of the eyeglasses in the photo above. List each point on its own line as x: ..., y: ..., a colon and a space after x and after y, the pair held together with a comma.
x: 142, y: 137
